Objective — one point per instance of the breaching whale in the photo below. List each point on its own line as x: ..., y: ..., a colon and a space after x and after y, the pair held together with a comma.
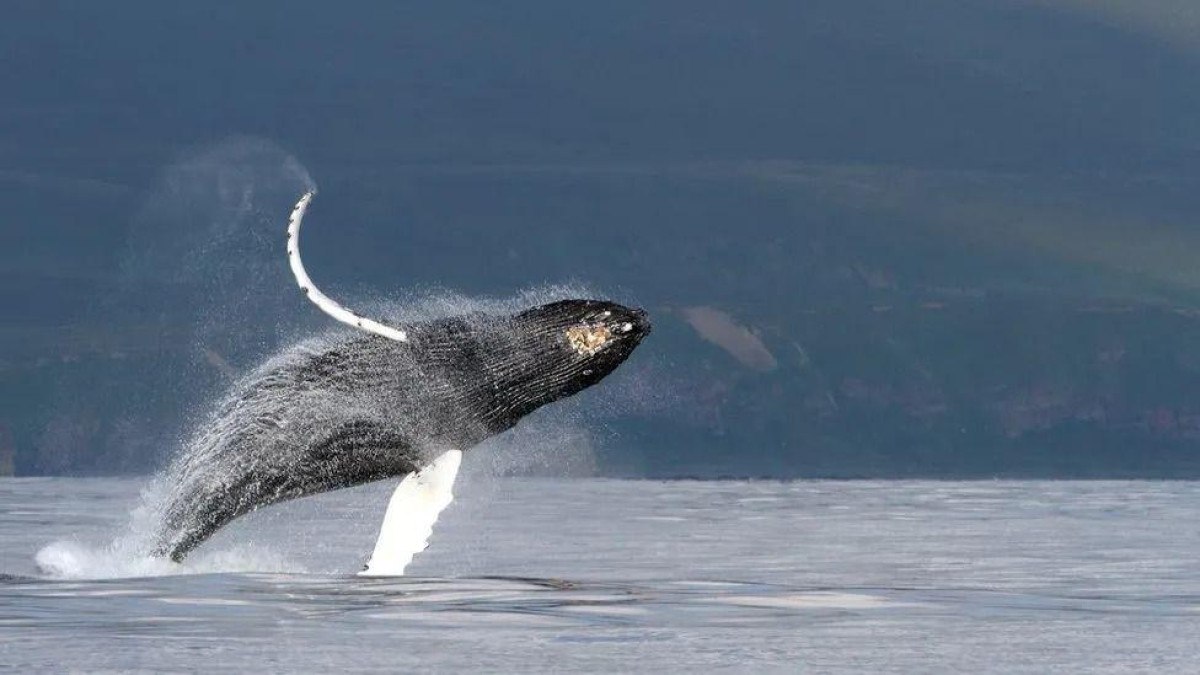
x: 382, y: 403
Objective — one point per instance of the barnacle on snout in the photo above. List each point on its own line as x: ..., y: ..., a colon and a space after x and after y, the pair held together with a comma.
x: 588, y: 339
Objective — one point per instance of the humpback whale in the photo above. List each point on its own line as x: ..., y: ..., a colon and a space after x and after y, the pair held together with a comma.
x: 381, y: 402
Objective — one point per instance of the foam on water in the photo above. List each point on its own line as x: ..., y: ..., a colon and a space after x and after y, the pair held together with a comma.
x: 69, y: 559
x: 125, y: 555
x: 73, y: 560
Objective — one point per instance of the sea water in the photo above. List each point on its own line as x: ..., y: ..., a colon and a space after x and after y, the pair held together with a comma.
x: 560, y: 575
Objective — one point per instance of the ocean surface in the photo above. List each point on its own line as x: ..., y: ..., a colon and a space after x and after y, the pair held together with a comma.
x: 562, y: 575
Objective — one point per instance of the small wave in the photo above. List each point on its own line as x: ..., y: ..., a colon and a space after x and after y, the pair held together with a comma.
x: 813, y: 600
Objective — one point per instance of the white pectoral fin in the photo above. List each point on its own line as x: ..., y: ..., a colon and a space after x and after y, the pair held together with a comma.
x: 314, y: 294
x: 411, y: 513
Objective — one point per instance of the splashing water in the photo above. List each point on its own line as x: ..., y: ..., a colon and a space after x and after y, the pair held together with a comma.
x: 73, y: 560
x: 125, y: 555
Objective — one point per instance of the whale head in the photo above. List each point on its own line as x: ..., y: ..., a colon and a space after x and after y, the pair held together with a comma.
x: 559, y: 349
x: 586, y: 338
